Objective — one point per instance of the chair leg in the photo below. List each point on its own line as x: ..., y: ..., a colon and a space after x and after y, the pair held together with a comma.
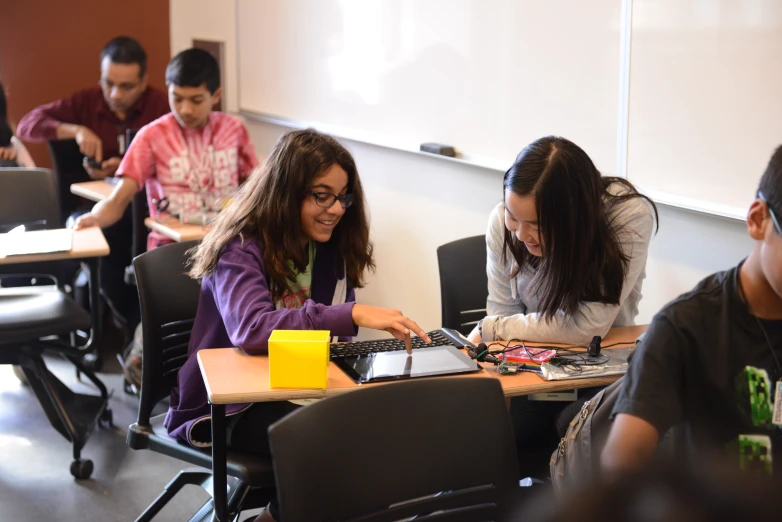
x: 73, y: 415
x: 195, y: 477
x: 205, y: 513
x: 238, y: 491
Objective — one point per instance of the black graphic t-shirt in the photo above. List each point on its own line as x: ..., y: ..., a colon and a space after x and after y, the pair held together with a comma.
x: 705, y: 364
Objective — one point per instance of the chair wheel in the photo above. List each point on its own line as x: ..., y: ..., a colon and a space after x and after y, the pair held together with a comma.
x: 107, y: 418
x: 93, y: 362
x: 81, y: 469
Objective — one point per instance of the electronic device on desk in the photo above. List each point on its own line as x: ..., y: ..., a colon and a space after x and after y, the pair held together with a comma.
x: 386, y: 359
x: 111, y: 180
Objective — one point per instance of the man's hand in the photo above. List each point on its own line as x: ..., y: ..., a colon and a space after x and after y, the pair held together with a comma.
x: 89, y: 143
x: 7, y: 153
x: 108, y: 168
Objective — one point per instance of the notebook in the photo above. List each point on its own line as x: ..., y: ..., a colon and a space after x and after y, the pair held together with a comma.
x: 36, y: 242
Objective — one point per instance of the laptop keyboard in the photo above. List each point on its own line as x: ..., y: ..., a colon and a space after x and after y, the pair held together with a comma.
x: 385, y: 345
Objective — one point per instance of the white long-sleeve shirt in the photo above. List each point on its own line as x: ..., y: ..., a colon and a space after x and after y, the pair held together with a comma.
x: 512, y: 309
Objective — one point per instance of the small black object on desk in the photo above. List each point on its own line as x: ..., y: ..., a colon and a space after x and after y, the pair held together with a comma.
x: 594, y: 346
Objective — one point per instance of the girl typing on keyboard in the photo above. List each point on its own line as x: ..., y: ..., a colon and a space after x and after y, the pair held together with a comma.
x: 288, y: 253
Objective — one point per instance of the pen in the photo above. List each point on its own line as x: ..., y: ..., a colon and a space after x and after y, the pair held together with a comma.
x: 408, y: 344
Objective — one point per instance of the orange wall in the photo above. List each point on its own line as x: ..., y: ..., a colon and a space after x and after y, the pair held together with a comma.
x: 51, y: 48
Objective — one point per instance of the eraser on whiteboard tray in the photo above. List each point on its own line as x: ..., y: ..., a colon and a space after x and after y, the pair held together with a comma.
x: 439, y: 149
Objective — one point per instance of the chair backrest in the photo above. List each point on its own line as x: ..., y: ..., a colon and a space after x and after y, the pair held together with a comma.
x: 67, y: 163
x: 28, y: 196
x: 395, y: 451
x: 169, y: 301
x: 463, y: 282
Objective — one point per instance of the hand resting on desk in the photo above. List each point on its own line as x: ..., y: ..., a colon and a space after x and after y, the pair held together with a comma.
x: 107, y: 212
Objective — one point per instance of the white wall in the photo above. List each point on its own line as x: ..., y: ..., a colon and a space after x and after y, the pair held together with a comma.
x: 418, y: 203
x: 208, y: 20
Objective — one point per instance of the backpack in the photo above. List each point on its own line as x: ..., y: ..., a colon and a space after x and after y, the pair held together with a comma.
x: 578, y: 453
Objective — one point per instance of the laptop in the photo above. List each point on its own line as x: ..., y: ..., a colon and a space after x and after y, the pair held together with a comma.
x: 36, y: 242
x: 387, y: 359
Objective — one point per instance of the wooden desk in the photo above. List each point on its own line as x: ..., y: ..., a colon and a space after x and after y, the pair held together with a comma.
x: 171, y: 228
x: 165, y: 225
x: 231, y: 376
x: 87, y: 243
x: 93, y: 190
x: 73, y: 414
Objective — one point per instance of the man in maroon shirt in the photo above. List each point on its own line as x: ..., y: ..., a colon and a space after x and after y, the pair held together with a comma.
x: 97, y: 119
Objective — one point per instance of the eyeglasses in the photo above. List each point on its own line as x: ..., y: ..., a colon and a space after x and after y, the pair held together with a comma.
x: 771, y: 213
x: 327, y: 200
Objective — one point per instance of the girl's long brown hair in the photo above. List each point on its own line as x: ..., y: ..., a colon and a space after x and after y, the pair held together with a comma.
x: 582, y: 257
x: 267, y: 208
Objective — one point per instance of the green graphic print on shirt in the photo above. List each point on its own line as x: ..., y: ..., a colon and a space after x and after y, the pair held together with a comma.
x: 299, y: 291
x: 754, y: 391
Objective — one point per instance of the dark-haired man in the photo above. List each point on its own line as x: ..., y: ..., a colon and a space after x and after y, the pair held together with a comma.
x: 193, y: 158
x: 97, y: 119
x: 711, y: 361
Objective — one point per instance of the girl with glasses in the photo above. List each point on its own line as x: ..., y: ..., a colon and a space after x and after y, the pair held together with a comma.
x: 288, y: 253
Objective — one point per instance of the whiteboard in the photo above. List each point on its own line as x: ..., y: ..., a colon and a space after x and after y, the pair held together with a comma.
x: 485, y: 76
x: 705, y: 103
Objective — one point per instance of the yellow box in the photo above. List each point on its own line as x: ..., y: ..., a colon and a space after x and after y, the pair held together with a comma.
x: 299, y: 358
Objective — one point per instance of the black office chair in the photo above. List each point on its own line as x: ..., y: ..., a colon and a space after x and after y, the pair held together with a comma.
x: 68, y: 169
x: 441, y: 447
x: 169, y: 301
x: 36, y: 319
x: 463, y: 283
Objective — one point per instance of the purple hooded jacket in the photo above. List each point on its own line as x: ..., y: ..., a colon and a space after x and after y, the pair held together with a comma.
x: 235, y: 309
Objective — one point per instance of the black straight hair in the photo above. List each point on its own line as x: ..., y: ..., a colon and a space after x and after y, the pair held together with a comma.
x: 582, y: 256
x: 771, y: 183
x: 194, y: 68
x: 6, y: 133
x: 126, y: 50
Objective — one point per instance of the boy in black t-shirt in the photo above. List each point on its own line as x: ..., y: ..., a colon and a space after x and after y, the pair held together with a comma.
x: 712, y: 360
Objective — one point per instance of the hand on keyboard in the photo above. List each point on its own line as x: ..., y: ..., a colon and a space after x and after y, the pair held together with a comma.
x: 386, y: 319
x: 386, y: 345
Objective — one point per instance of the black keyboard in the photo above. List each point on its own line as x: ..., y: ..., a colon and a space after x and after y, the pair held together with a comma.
x: 438, y: 337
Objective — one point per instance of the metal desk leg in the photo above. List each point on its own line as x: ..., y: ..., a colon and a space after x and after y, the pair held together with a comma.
x: 220, y: 483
